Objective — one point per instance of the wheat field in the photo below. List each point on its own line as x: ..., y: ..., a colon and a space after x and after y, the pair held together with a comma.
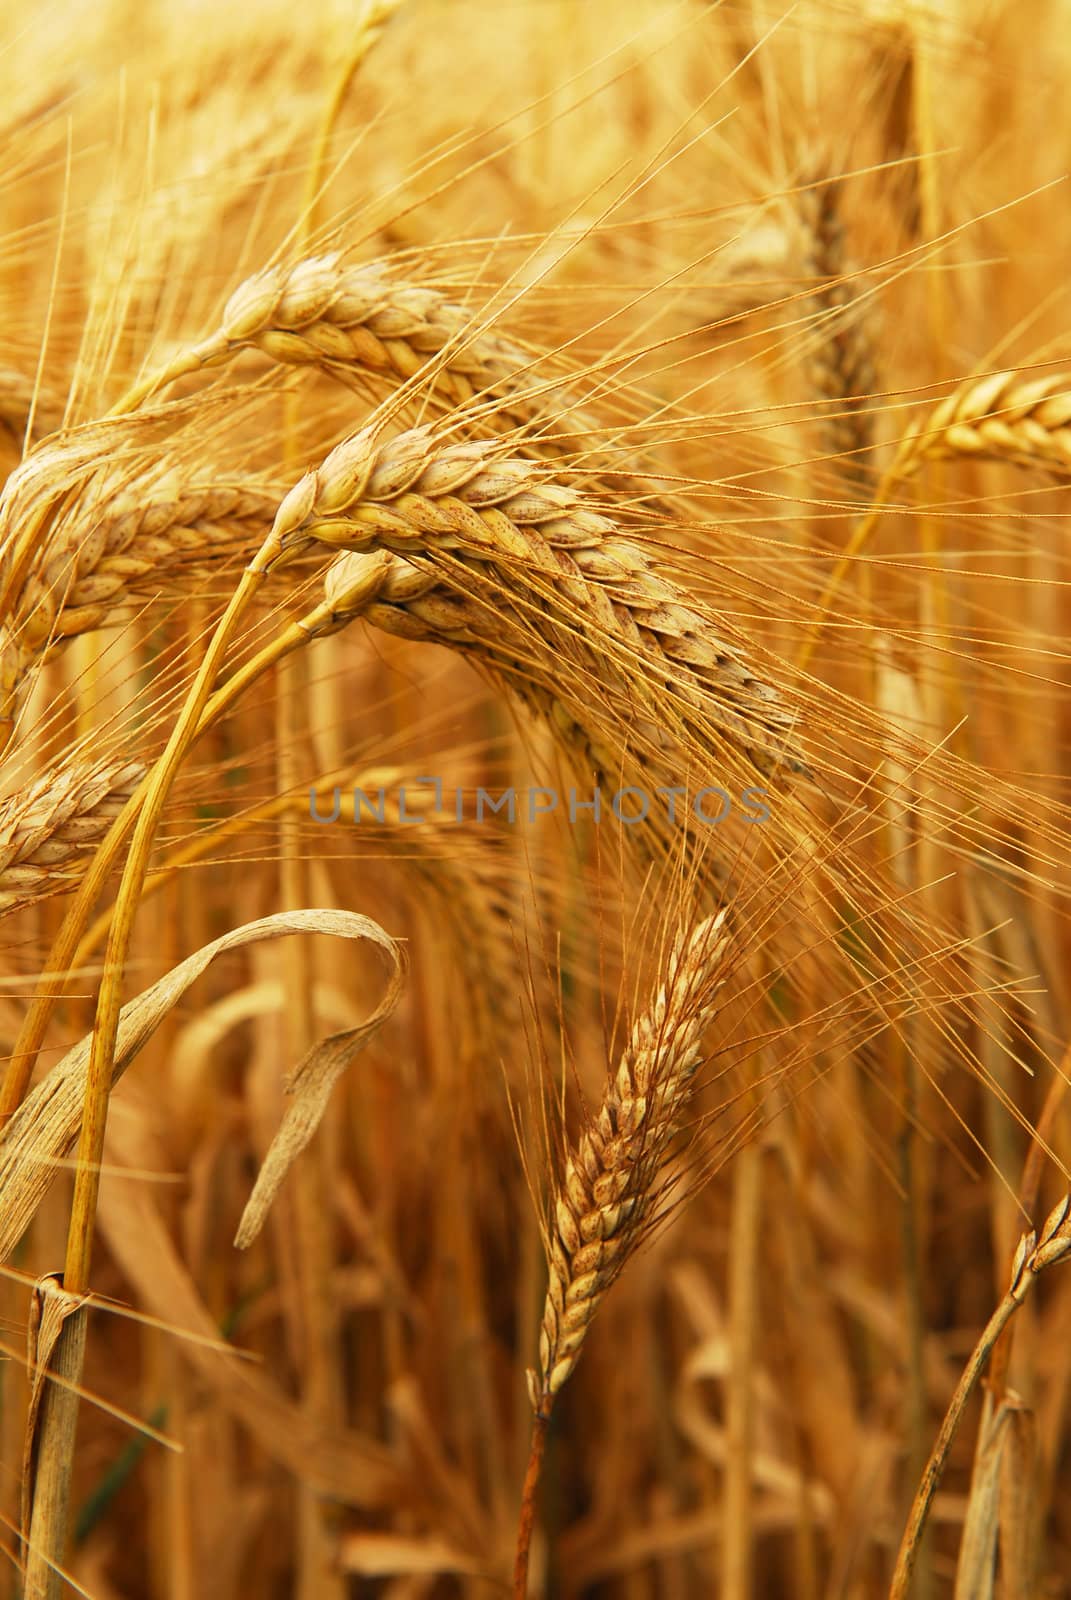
x: 535, y: 738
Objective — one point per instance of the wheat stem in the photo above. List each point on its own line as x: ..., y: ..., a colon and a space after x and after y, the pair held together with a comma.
x: 529, y: 1492
x: 1034, y: 1254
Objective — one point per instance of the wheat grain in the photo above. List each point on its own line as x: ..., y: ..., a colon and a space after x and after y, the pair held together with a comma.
x: 609, y: 1190
x: 48, y: 829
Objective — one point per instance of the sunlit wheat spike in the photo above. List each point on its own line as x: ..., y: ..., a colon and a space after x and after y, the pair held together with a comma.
x: 365, y: 325
x: 364, y: 321
x: 1006, y: 416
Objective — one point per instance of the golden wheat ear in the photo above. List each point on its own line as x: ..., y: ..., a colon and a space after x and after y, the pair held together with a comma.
x: 1005, y: 416
x: 49, y: 828
x: 839, y: 356
x: 573, y: 613
x: 609, y: 1187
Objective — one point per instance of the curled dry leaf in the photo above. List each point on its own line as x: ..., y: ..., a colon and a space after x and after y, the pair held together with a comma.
x: 46, y: 1126
x: 311, y: 1083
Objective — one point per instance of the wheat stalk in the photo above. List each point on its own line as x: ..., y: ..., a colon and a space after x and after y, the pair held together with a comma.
x: 49, y: 827
x: 1034, y: 1253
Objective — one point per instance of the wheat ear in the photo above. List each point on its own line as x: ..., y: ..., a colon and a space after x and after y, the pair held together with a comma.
x: 364, y: 325
x: 1002, y: 417
x: 840, y: 362
x: 609, y: 1189
x: 115, y: 540
x: 48, y: 828
x: 612, y: 1185
x: 547, y: 591
x: 362, y: 322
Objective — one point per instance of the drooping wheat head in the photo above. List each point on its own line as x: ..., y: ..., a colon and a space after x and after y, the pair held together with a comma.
x: 504, y: 561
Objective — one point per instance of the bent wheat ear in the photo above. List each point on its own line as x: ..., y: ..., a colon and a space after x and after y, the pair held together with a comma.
x: 504, y: 561
x: 116, y: 537
x: 362, y: 321
x: 1003, y: 417
x: 48, y: 829
x: 364, y: 326
x: 609, y: 1189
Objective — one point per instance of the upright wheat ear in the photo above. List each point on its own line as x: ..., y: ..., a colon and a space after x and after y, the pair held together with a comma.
x: 840, y: 361
x: 609, y: 1188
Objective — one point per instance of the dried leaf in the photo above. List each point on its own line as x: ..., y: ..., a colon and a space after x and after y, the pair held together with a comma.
x: 311, y: 1083
x: 46, y: 1125
x: 976, y: 1568
x: 1018, y: 1505
x: 349, y: 1466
